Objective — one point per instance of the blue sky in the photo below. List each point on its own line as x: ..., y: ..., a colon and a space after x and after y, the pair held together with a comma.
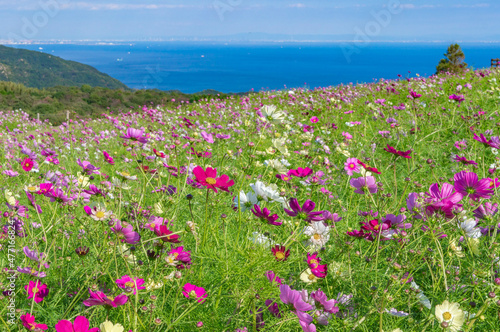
x: 443, y: 20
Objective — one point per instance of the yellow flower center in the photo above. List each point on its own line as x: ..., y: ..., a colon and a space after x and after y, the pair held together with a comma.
x: 351, y: 166
x: 447, y: 316
x: 129, y: 284
x: 317, y: 236
x: 125, y: 174
x: 211, y: 181
x: 99, y: 214
x: 313, y: 262
x: 280, y: 255
x: 376, y: 227
x: 31, y: 189
x: 311, y: 277
x: 35, y: 290
x: 192, y: 294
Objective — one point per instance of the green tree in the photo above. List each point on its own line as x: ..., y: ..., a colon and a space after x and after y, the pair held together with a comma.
x: 454, y: 61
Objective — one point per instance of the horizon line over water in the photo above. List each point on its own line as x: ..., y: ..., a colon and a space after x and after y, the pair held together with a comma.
x: 240, y: 67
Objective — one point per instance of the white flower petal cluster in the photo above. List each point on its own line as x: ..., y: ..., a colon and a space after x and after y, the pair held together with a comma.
x: 318, y: 233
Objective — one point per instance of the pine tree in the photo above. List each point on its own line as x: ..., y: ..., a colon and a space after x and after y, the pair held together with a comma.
x: 454, y: 61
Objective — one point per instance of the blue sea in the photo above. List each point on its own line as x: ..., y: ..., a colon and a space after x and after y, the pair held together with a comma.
x: 229, y: 67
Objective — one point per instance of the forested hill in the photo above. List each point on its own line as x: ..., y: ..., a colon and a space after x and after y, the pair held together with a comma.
x: 40, y: 70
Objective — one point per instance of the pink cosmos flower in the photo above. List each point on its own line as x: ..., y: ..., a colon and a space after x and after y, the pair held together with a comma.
x: 37, y: 290
x: 272, y: 277
x: 317, y: 269
x: 81, y: 324
x: 364, y: 184
x: 179, y: 258
x: 99, y: 298
x: 27, y: 164
x: 194, y: 292
x: 346, y: 135
x: 44, y: 188
x: 461, y: 145
x: 126, y: 234
x: 29, y: 323
x: 210, y: 180
x: 128, y: 282
x: 135, y: 135
x: 351, y: 165
x: 494, y: 183
x: 207, y: 137
x: 314, y: 119
x: 293, y: 297
x: 468, y: 184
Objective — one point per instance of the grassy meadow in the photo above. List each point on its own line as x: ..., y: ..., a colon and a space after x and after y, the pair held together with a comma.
x: 369, y: 207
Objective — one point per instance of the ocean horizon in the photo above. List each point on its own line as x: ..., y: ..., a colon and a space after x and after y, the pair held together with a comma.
x: 241, y: 67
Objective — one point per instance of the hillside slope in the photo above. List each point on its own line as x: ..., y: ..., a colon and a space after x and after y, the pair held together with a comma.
x: 40, y: 70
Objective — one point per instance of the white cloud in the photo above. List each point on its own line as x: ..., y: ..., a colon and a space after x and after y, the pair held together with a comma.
x: 297, y: 5
x: 66, y: 5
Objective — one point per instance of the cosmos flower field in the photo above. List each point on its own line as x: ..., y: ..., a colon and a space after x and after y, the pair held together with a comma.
x: 352, y: 208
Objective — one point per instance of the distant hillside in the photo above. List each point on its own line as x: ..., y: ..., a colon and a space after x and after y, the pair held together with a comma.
x: 86, y: 101
x: 40, y: 70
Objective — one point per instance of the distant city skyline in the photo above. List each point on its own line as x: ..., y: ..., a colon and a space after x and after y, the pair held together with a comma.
x: 279, y: 20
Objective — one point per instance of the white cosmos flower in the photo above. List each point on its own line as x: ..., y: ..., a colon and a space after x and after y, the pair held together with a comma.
x: 126, y: 175
x: 107, y: 326
x: 308, y: 277
x: 121, y: 184
x: 99, y: 213
x: 271, y: 113
x: 247, y: 201
x: 424, y: 300
x: 470, y: 229
x: 261, y: 239
x: 451, y: 314
x: 318, y: 233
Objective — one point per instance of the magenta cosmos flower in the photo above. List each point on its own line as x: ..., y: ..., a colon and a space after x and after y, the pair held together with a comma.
x: 27, y: 164
x: 210, y: 180
x: 492, y: 143
x: 128, y: 282
x: 467, y: 183
x: 165, y: 234
x: 99, y: 298
x: 37, y: 290
x: 265, y: 215
x: 317, y: 269
x: 351, y: 165
x: 29, y: 323
x: 81, y: 324
x: 404, y: 154
x: 364, y: 184
x: 300, y: 172
x: 108, y: 158
x: 305, y: 212
x: 126, y: 234
x: 135, y: 135
x: 194, y: 292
